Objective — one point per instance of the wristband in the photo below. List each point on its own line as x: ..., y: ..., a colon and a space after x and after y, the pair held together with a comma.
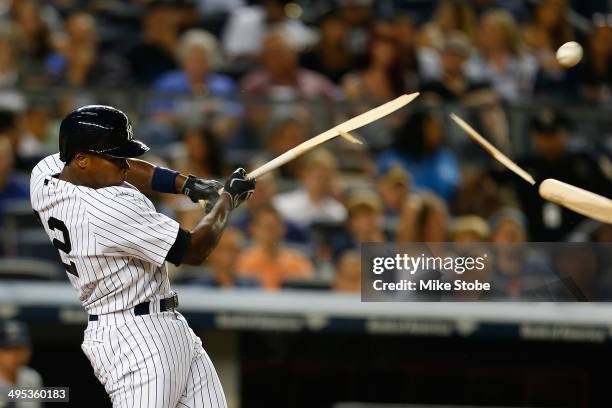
x: 164, y: 180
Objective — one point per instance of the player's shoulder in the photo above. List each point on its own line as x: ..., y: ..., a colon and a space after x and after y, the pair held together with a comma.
x: 40, y: 177
x: 48, y: 166
x: 115, y: 202
x: 124, y: 192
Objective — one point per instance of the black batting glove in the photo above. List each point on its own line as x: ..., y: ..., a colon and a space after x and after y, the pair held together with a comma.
x: 238, y: 187
x: 201, y: 189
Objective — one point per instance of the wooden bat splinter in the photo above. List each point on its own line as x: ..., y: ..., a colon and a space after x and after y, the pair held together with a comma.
x: 340, y: 130
x: 574, y: 198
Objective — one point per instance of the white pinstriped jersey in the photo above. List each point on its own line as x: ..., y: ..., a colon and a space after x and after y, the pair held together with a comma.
x: 112, y: 241
x: 113, y: 245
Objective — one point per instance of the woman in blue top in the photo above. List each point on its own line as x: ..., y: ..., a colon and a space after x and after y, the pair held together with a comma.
x: 191, y: 92
x: 417, y: 147
x: 198, y: 55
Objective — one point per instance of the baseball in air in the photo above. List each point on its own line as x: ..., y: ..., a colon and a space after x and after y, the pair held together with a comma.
x: 569, y: 54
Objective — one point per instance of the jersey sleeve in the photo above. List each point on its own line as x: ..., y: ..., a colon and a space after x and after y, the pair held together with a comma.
x: 48, y: 166
x: 125, y: 223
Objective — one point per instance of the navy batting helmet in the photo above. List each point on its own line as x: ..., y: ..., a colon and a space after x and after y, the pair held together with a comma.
x: 98, y: 129
x: 13, y: 334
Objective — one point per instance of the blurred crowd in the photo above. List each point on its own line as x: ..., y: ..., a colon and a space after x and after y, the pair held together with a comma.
x: 212, y: 84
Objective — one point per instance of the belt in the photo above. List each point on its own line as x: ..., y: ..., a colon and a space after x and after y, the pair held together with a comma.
x: 144, y: 308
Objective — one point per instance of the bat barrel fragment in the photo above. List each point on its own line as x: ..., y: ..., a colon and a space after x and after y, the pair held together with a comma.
x: 577, y: 199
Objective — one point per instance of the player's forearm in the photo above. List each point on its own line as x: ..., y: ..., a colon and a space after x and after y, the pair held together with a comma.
x: 205, y: 236
x: 141, y: 173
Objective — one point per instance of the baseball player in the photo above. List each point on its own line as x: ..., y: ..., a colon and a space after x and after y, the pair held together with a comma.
x: 114, y: 246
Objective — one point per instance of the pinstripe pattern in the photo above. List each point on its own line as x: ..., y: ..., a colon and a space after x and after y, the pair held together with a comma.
x: 119, y: 241
x: 152, y: 361
x: 118, y: 244
x: 203, y: 388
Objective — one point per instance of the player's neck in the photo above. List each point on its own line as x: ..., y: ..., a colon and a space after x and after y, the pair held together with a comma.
x: 70, y: 175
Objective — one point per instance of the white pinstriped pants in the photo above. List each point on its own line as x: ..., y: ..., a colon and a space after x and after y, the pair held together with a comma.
x: 151, y: 361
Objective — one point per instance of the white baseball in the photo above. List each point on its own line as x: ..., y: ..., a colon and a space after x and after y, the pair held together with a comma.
x: 569, y: 54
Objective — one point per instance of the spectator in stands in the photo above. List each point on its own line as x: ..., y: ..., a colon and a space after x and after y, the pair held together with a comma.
x: 467, y: 231
x: 244, y: 32
x: 154, y: 54
x: 404, y: 34
x: 455, y: 86
x: 554, y: 159
x: 508, y: 226
x: 502, y: 61
x: 188, y: 14
x: 35, y: 31
x: 544, y: 35
x: 267, y: 259
x: 197, y: 55
x: 424, y: 218
x: 37, y: 140
x: 12, y: 187
x: 519, y: 272
x: 15, y: 354
x: 284, y: 83
x: 267, y: 188
x: 394, y: 188
x: 348, y: 272
x: 596, y: 74
x: 470, y: 228
x: 314, y: 200
x: 10, y: 129
x: 365, y: 222
x: 331, y: 55
x: 357, y: 15
x: 517, y: 8
x: 10, y: 53
x: 281, y: 72
x: 450, y: 16
x: 224, y: 259
x: 285, y: 134
x: 418, y: 148
x: 383, y: 77
x: 548, y: 30
x: 220, y: 266
x: 201, y: 154
x: 78, y: 62
x: 11, y: 64
x: 480, y: 194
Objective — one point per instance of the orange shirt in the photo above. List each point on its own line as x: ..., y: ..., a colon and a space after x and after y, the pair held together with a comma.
x: 271, y: 271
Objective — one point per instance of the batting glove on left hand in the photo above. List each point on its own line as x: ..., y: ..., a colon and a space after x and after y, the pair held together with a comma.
x: 239, y: 187
x: 201, y: 189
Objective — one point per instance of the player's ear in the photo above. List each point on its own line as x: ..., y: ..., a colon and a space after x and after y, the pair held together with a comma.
x: 81, y: 160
